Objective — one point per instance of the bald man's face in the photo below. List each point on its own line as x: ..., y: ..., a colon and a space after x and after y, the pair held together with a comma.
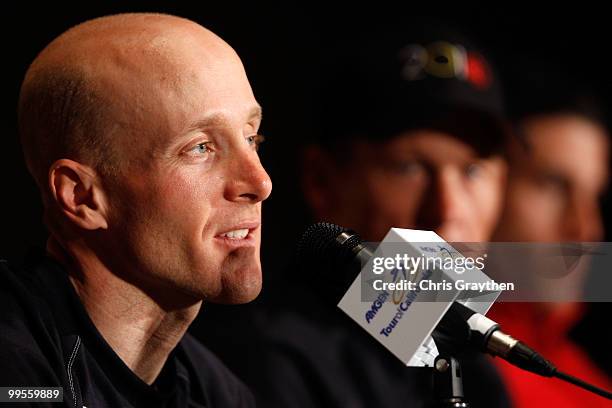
x: 185, y: 208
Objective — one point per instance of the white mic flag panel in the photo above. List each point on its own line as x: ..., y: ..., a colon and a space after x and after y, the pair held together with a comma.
x: 406, y: 287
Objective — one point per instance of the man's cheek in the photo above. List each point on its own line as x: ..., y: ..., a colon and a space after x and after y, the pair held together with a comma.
x: 183, y: 200
x: 488, y: 199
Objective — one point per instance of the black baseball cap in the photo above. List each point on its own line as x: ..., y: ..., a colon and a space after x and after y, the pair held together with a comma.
x: 385, y: 83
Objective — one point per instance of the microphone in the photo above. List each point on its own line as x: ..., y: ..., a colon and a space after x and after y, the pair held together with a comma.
x: 326, y: 247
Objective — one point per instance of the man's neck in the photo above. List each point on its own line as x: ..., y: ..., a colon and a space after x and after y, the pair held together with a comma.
x: 136, y: 327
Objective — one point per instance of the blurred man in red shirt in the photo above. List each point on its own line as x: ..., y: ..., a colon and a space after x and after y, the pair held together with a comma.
x: 558, y: 170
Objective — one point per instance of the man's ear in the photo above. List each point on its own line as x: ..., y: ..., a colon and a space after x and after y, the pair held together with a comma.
x: 318, y: 172
x: 77, y: 191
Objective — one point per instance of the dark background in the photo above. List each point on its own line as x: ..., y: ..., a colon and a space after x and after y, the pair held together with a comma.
x: 282, y: 45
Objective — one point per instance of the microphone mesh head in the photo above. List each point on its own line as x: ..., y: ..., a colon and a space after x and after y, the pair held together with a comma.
x: 327, y: 263
x: 318, y: 240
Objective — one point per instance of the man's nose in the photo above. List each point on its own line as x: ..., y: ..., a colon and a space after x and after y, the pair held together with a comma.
x: 247, y: 180
x: 441, y: 201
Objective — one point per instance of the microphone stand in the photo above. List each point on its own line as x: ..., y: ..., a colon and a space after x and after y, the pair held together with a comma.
x: 448, y: 383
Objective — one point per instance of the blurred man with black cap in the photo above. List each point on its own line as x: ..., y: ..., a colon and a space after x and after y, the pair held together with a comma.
x: 410, y: 135
x: 411, y: 128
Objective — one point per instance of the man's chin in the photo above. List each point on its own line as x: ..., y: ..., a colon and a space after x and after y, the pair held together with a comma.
x: 238, y: 278
x: 237, y: 295
x: 240, y: 284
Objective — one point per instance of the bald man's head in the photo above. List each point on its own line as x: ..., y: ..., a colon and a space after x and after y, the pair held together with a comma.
x: 141, y: 132
x: 86, y: 91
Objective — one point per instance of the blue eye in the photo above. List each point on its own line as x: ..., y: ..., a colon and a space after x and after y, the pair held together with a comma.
x: 255, y: 141
x: 201, y: 148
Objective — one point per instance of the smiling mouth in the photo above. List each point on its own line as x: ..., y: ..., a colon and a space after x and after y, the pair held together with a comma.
x: 242, y: 235
x: 236, y: 234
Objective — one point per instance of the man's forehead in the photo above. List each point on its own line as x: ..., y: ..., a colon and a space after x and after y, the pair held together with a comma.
x: 124, y: 58
x: 429, y: 144
x: 150, y: 46
x: 157, y: 74
x: 131, y: 31
x: 251, y: 112
x: 581, y: 160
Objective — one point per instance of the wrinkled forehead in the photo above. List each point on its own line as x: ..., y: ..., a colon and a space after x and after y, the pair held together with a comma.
x: 170, y: 57
x: 157, y: 86
x: 182, y: 68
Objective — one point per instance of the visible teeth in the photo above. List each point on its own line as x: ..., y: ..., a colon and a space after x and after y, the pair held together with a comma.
x: 237, y: 234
